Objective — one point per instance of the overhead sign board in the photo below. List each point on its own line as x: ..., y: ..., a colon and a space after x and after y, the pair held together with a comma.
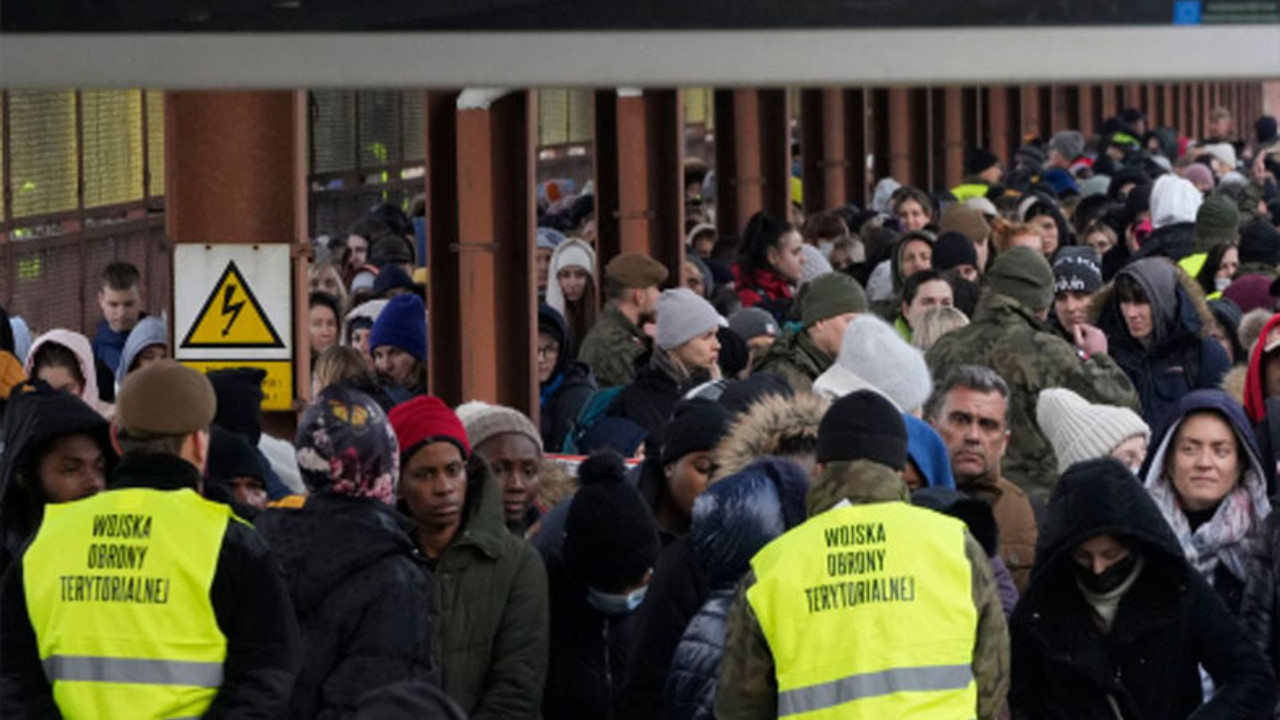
x: 232, y: 307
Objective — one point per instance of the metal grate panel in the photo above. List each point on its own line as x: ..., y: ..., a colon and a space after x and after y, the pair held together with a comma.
x: 42, y: 151
x: 112, y: 133
x: 333, y: 139
x: 379, y: 114
x: 155, y: 140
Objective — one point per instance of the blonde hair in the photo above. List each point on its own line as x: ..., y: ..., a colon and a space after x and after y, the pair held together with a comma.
x: 340, y: 365
x: 935, y: 323
x: 325, y: 266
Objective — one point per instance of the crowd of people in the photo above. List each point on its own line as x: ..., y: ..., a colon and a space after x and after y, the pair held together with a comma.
x: 1002, y: 450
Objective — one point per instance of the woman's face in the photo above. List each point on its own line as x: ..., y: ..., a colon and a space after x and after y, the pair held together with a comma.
x: 1099, y: 553
x: 1131, y: 452
x: 573, y: 283
x: 912, y: 215
x: 1099, y: 241
x: 357, y: 251
x: 788, y: 257
x: 687, y: 478
x: 327, y: 281
x: 1137, y: 318
x: 693, y: 279
x: 1048, y: 233
x: 917, y: 255
x: 702, y: 351
x: 324, y: 328
x: 61, y: 378
x: 543, y: 267
x: 1205, y: 466
x: 548, y: 356
x: 1230, y: 263
x: 360, y: 341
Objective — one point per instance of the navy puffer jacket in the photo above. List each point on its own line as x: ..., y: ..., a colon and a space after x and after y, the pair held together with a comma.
x: 732, y: 521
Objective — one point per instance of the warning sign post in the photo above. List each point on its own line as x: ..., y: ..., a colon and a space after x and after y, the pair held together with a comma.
x: 232, y: 308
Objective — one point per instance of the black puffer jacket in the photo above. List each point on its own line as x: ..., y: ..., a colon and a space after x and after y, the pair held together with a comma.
x: 571, y: 384
x: 1262, y: 597
x: 732, y: 521
x: 361, y: 595
x: 652, y: 397
x: 1168, y: 624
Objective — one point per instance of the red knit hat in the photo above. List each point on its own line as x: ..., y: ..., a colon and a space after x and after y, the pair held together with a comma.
x: 427, y: 419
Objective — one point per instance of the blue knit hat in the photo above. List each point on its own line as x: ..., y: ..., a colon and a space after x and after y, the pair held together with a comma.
x: 402, y: 324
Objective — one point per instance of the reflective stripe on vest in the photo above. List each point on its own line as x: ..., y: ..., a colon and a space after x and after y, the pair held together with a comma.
x: 868, y: 612
x: 117, y: 588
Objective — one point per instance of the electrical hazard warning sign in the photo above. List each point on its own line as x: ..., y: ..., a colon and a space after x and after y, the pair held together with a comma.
x: 232, y: 307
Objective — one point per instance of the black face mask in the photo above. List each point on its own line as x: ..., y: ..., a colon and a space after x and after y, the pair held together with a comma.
x: 1109, y: 579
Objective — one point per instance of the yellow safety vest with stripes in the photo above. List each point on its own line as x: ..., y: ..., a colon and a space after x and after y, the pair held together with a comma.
x: 868, y: 612
x: 117, y: 589
x: 968, y: 191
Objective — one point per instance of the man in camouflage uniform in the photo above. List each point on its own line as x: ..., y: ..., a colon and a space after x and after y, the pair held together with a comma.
x: 616, y: 341
x: 1009, y: 335
x: 827, y: 304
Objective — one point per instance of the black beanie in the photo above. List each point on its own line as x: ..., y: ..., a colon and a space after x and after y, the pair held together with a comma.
x: 1260, y: 243
x: 734, y: 353
x: 980, y: 159
x: 863, y: 425
x: 953, y: 250
x: 239, y: 393
x: 610, y: 537
x: 231, y: 456
x: 696, y: 426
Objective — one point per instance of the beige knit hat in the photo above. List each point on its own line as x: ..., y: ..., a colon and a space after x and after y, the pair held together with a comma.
x: 484, y: 421
x: 1080, y: 430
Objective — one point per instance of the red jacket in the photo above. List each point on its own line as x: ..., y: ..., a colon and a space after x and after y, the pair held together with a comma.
x: 762, y: 285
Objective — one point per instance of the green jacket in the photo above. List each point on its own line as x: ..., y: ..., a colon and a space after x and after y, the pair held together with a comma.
x: 492, y: 618
x: 748, y: 687
x: 612, y: 347
x: 796, y: 358
x: 1008, y: 338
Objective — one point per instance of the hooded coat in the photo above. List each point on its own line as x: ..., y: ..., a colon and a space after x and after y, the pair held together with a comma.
x: 1180, y: 356
x: 570, y: 386
x: 491, y: 615
x: 732, y: 521
x: 774, y: 425
x: 1223, y: 548
x: 359, y: 590
x: 570, y: 253
x: 79, y: 345
x: 748, y: 681
x: 1168, y: 623
x: 149, y: 331
x: 1174, y: 203
x: 31, y: 420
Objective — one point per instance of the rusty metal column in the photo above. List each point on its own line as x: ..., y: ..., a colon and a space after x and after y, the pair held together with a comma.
x: 639, y: 175
x: 753, y: 153
x: 1108, y: 106
x: 953, y: 144
x: 824, y: 156
x: 232, y: 175
x: 1028, y: 113
x: 857, y: 113
x: 444, y: 331
x: 1086, y: 110
x: 1167, y: 108
x: 491, y: 282
x: 900, y: 135
x: 998, y: 122
x: 1058, y: 112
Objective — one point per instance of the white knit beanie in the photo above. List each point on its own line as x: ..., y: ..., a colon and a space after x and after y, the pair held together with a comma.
x: 1080, y: 430
x: 874, y: 356
x: 683, y: 316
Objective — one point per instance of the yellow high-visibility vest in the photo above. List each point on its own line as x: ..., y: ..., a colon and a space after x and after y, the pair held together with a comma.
x: 968, y: 191
x: 868, y: 612
x: 117, y: 588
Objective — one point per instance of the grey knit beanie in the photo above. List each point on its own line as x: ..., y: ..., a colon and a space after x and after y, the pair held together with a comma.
x: 484, y: 421
x: 1079, y: 430
x: 683, y: 316
x: 1069, y: 143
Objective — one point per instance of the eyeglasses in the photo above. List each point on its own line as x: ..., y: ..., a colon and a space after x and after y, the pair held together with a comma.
x: 548, y: 350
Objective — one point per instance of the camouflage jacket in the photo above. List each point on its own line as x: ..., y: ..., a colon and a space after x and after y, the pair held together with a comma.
x: 748, y: 688
x: 1010, y: 339
x: 796, y: 358
x: 612, y: 347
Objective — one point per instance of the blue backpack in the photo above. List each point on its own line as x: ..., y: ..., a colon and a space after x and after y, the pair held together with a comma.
x: 596, y: 407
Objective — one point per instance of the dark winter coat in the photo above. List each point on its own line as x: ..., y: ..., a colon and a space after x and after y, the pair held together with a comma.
x: 33, y: 418
x: 1181, y: 357
x: 492, y: 611
x: 1167, y: 624
x: 1262, y: 597
x: 571, y: 384
x: 361, y: 594
x: 732, y: 521
x: 650, y: 400
x: 249, y: 599
x: 1174, y: 241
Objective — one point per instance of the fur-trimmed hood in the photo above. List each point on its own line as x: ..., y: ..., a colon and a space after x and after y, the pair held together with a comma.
x: 1233, y: 382
x: 763, y: 428
x: 1192, y: 311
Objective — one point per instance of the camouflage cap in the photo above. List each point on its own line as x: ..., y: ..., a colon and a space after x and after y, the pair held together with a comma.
x: 1024, y: 275
x: 635, y: 270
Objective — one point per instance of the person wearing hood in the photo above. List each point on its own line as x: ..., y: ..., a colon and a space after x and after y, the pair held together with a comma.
x: 598, y: 579
x: 358, y: 587
x: 802, y: 621
x: 1206, y: 477
x: 564, y: 384
x: 358, y: 326
x: 64, y: 360
x: 1043, y: 214
x: 671, y: 485
x: 1174, y: 205
x: 928, y: 465
x: 827, y: 306
x: 236, y: 473
x: 491, y: 616
x: 732, y: 521
x: 684, y: 356
x: 53, y: 449
x: 148, y: 343
x: 1117, y: 623
x: 239, y: 392
x: 912, y: 253
x: 571, y: 289
x: 1157, y: 326
x: 1080, y: 430
x: 873, y: 356
x: 81, y: 613
x: 770, y: 264
x: 1009, y: 334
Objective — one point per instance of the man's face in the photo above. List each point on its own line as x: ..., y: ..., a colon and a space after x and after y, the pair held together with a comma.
x: 992, y: 175
x: 548, y: 356
x: 514, y: 459
x: 1220, y: 128
x: 394, y: 363
x: 972, y: 424
x: 935, y: 293
x: 73, y: 468
x: 248, y: 491
x: 828, y: 335
x: 647, y: 300
x: 433, y: 484
x: 120, y: 308
x: 1072, y: 308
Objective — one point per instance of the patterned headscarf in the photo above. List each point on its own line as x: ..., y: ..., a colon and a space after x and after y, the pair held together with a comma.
x: 346, y: 446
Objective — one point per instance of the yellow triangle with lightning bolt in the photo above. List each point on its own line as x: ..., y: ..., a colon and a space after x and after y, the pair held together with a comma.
x: 232, y: 317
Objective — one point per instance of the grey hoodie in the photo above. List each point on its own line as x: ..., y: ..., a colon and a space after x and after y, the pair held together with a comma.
x: 149, y: 331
